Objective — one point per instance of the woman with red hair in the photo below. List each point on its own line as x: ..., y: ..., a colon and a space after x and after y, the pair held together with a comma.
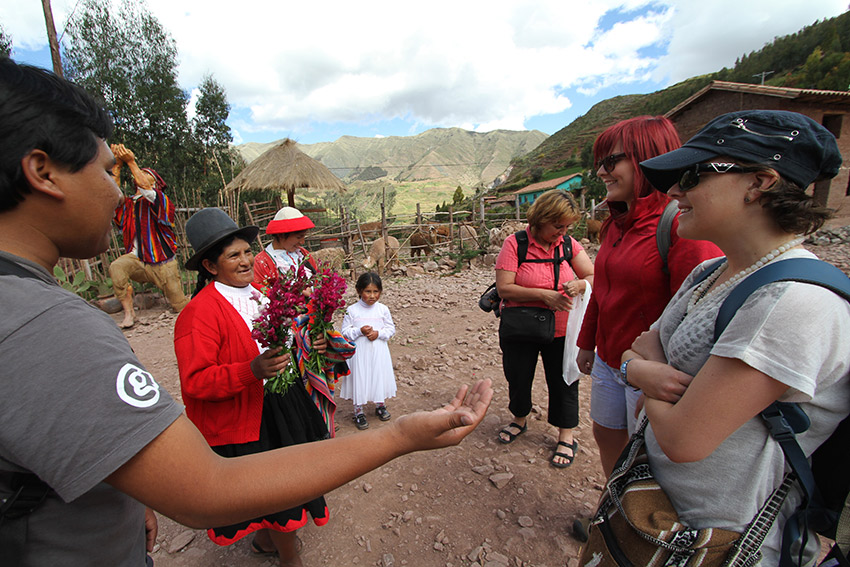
x: 631, y: 285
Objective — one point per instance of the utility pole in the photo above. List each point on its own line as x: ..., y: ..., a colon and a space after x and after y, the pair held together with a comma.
x: 57, y: 70
x: 51, y: 38
x: 763, y: 74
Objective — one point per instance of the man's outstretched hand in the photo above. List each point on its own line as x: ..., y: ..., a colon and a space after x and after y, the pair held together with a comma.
x: 448, y: 425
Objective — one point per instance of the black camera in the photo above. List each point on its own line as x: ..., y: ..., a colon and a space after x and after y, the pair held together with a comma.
x: 490, y: 300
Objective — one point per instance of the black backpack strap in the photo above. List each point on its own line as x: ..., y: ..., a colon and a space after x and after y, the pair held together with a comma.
x: 28, y: 492
x: 779, y: 417
x: 521, y: 247
x: 565, y: 253
x: 663, y: 233
x: 11, y: 268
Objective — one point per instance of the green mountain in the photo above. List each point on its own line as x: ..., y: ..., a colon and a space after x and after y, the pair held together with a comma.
x: 816, y: 57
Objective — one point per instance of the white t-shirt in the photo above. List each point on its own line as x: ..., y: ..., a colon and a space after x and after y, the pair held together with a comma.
x: 795, y: 333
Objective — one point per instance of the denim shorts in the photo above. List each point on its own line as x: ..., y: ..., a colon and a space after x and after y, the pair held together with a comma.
x: 612, y: 403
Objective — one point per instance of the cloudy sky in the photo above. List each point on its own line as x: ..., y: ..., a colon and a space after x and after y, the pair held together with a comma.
x: 315, y: 71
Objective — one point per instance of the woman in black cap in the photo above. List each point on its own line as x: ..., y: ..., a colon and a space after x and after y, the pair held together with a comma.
x: 222, y: 371
x: 741, y: 183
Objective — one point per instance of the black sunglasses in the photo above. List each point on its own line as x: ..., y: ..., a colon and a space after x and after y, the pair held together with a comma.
x: 610, y: 162
x: 689, y: 178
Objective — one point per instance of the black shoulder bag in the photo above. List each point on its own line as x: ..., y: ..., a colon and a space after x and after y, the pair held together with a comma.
x: 533, y: 324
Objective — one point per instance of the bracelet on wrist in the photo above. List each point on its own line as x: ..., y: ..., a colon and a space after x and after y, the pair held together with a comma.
x: 624, y: 371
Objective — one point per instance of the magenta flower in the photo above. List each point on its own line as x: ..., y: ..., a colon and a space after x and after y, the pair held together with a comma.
x: 273, y: 326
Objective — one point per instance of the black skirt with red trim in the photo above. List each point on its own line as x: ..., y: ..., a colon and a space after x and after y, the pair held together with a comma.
x: 288, y: 419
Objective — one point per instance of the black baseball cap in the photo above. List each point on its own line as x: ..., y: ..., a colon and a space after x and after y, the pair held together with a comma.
x: 796, y: 146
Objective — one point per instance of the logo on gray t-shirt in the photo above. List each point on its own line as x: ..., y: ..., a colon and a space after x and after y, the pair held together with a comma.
x: 136, y: 387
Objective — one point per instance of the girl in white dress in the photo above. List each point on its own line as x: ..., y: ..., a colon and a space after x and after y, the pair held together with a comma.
x: 369, y: 325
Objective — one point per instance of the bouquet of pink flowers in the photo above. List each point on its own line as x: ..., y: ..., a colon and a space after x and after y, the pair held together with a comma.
x: 328, y: 290
x: 273, y: 326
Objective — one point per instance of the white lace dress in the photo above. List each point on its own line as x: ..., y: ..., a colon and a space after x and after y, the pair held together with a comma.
x: 372, y: 378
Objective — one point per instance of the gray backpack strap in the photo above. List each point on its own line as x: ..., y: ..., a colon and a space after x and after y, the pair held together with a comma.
x: 662, y: 234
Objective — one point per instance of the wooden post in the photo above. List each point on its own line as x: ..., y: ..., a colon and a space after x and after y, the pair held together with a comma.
x: 51, y: 38
x: 347, y: 239
x: 384, y: 231
x: 452, y: 227
x: 516, y: 206
x: 418, y: 215
x: 481, y: 208
x: 344, y: 233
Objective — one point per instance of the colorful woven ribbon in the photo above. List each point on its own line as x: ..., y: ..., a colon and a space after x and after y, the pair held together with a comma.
x: 321, y: 385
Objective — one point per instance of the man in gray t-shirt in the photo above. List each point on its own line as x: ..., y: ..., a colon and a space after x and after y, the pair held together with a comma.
x: 79, y: 412
x: 76, y: 405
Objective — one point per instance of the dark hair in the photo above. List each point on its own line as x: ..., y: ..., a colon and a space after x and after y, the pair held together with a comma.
x: 213, y: 254
x: 368, y: 278
x: 641, y: 138
x: 795, y: 211
x: 40, y: 111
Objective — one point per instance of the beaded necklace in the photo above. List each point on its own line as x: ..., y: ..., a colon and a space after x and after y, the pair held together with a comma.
x: 702, y: 290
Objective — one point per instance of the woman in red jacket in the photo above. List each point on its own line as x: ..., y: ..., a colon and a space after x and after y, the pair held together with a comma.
x: 631, y: 287
x: 222, y: 371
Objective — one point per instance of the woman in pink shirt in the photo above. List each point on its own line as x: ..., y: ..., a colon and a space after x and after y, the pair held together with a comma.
x: 533, y: 283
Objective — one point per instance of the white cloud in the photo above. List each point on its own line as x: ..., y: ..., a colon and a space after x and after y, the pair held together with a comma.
x: 481, y: 64
x: 709, y: 35
x: 484, y: 64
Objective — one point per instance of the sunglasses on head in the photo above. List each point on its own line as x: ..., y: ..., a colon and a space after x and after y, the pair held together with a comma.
x: 689, y: 178
x: 609, y: 162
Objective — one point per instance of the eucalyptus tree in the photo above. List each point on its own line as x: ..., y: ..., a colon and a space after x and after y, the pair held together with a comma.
x: 221, y: 162
x: 121, y: 53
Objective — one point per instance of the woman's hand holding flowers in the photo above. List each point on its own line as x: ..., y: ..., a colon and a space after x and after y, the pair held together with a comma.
x: 320, y: 344
x: 269, y: 363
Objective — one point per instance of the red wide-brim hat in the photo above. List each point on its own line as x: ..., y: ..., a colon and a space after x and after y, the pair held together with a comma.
x: 288, y: 219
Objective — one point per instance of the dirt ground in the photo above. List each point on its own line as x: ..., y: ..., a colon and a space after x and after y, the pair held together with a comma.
x: 481, y: 504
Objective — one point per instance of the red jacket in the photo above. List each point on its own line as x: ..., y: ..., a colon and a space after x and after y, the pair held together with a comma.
x: 630, y: 290
x: 214, y: 351
x: 265, y: 269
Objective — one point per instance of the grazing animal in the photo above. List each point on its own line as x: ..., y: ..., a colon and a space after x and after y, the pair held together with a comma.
x: 593, y: 227
x: 370, y: 229
x: 421, y: 241
x: 381, y: 256
x: 333, y: 257
x: 441, y: 232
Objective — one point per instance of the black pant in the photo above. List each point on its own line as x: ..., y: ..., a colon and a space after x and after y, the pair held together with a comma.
x: 519, y: 360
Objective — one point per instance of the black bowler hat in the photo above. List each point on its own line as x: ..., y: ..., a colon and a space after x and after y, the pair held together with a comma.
x: 796, y: 146
x: 210, y: 226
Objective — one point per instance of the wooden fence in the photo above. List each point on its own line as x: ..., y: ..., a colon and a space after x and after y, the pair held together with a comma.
x: 337, y: 229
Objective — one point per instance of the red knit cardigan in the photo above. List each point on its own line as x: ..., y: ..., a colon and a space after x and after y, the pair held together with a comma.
x: 214, y: 351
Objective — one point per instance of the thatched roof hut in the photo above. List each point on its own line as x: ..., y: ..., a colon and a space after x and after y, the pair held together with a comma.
x: 285, y: 167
